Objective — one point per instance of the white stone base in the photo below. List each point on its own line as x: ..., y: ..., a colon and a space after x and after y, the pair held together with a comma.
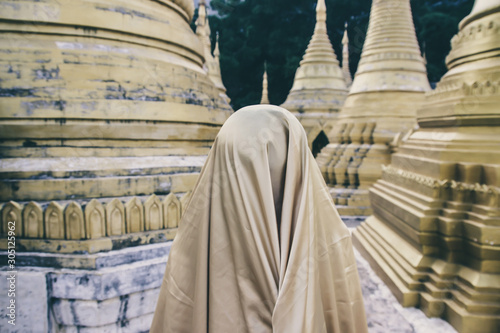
x: 31, y: 301
x: 117, y: 296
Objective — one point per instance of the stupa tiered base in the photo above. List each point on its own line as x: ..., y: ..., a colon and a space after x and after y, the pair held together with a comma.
x: 436, y: 249
x: 113, y: 291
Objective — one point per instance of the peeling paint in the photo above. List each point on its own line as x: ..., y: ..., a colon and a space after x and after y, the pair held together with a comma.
x: 132, y: 13
x: 18, y: 72
x: 17, y: 92
x: 42, y: 104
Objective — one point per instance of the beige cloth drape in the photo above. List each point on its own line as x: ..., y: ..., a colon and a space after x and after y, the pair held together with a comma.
x: 261, y: 247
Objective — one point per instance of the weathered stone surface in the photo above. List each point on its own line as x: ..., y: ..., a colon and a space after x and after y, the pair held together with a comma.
x: 319, y: 88
x: 105, y: 182
x: 115, y: 291
x: 107, y: 283
x: 133, y: 325
x: 132, y: 312
x: 110, y: 312
x: 212, y: 62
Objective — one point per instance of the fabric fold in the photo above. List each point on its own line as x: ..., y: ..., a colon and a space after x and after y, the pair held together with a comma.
x: 261, y: 247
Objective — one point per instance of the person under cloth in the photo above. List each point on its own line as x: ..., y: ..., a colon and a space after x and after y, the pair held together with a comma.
x: 261, y: 247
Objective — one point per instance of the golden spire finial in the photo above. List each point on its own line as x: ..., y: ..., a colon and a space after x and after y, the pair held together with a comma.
x: 345, y: 58
x: 320, y: 13
x: 265, y: 98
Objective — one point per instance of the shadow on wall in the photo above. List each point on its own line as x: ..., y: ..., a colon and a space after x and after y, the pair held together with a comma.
x: 318, y: 143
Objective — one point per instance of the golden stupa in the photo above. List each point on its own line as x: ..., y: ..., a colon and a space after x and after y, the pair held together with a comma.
x: 106, y: 117
x: 388, y: 87
x: 99, y: 101
x: 435, y: 233
x: 319, y: 88
x: 212, y: 62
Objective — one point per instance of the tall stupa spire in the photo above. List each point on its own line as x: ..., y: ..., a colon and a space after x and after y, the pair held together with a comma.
x: 264, y: 99
x: 320, y: 18
x: 214, y: 70
x: 319, y: 89
x: 390, y: 49
x: 387, y: 89
x: 212, y: 62
x: 320, y: 49
x: 345, y: 58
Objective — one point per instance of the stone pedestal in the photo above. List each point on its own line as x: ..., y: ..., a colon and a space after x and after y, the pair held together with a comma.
x: 319, y: 87
x: 114, y: 291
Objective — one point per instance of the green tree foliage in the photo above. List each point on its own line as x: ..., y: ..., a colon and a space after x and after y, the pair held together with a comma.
x: 436, y: 22
x: 277, y: 32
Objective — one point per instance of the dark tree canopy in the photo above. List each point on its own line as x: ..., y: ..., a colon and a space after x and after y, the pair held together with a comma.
x: 277, y: 32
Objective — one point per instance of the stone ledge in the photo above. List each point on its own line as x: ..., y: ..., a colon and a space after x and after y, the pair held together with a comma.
x: 90, y: 246
x: 89, y: 167
x: 107, y: 283
x: 91, y: 261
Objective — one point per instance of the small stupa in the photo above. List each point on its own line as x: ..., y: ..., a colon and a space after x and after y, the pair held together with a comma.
x: 434, y: 237
x: 388, y: 87
x: 319, y: 89
x: 212, y: 61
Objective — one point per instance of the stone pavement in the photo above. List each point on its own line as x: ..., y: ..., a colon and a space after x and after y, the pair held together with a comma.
x: 385, y: 314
